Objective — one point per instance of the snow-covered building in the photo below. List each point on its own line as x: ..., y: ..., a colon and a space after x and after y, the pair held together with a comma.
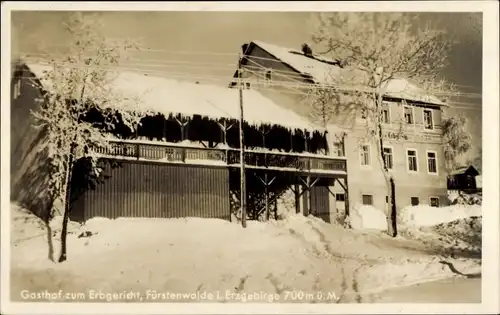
x: 416, y: 161
x: 465, y: 179
x: 184, y: 158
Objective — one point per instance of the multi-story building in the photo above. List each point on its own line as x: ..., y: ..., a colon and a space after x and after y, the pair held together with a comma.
x: 412, y: 128
x: 184, y: 158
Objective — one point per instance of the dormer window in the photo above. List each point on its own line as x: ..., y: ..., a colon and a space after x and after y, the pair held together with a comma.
x: 408, y: 115
x: 428, y: 121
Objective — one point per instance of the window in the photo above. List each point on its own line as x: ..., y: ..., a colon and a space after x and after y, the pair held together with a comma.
x: 431, y: 162
x: 268, y: 75
x: 338, y: 149
x: 408, y: 113
x: 434, y: 201
x: 428, y: 122
x: 385, y: 114
x: 415, y: 201
x: 367, y: 200
x: 365, y: 155
x: 412, y: 160
x: 340, y: 197
x: 388, y: 158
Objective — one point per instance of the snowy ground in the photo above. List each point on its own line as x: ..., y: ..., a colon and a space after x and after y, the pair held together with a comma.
x: 450, y: 290
x: 297, y: 259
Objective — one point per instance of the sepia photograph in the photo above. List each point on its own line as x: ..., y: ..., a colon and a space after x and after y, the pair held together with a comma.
x: 207, y: 155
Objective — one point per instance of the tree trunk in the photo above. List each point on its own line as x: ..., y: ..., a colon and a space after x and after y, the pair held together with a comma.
x: 67, y: 193
x: 391, y: 200
x: 391, y: 206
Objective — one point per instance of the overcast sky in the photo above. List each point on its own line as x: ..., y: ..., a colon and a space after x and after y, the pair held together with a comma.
x: 225, y: 32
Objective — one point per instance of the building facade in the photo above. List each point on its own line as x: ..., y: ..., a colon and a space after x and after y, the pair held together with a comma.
x: 411, y: 124
x: 184, y: 158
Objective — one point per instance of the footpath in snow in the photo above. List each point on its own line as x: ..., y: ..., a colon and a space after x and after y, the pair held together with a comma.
x: 296, y: 259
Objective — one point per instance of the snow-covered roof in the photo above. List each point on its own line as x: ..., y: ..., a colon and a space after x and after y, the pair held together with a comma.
x: 469, y: 170
x: 169, y: 96
x: 324, y: 70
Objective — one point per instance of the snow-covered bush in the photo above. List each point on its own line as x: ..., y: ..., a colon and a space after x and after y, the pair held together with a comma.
x: 461, y: 198
x: 467, y: 231
x: 286, y: 204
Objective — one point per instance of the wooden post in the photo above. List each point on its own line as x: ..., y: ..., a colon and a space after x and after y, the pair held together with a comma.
x: 182, y: 125
x: 266, y: 182
x: 275, y: 209
x: 297, y: 197
x: 307, y: 196
x: 224, y: 133
x: 266, y: 196
x: 242, y: 152
x: 165, y: 128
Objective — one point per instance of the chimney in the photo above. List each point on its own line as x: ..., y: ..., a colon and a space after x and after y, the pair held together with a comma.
x: 306, y: 50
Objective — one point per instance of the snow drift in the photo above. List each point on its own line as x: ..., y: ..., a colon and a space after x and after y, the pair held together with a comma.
x: 424, y: 215
x: 367, y: 217
x: 456, y: 230
x: 294, y: 254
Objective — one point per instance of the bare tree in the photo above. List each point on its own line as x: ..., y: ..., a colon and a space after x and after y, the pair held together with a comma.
x: 374, y: 50
x: 76, y: 82
x: 456, y: 139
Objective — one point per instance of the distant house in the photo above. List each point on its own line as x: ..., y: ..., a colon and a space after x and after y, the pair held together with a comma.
x: 183, y: 160
x: 416, y: 161
x: 465, y: 179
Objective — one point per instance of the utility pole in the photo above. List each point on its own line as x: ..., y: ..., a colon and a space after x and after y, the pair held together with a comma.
x: 243, y: 194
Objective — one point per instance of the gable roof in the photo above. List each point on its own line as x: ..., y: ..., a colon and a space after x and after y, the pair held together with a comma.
x: 465, y: 170
x: 325, y: 70
x: 168, y: 96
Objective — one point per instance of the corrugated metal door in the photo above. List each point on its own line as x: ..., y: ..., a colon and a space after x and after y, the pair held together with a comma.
x: 138, y: 189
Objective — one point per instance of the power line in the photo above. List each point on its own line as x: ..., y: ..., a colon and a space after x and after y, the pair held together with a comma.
x: 265, y: 84
x: 175, y: 52
x: 249, y: 58
x: 301, y: 77
x: 157, y: 62
x: 291, y: 75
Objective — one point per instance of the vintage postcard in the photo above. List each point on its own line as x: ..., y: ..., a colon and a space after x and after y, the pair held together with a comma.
x: 250, y: 157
